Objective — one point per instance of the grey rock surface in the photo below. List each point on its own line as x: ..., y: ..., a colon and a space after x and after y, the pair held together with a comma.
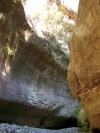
x: 30, y: 77
x: 6, y: 128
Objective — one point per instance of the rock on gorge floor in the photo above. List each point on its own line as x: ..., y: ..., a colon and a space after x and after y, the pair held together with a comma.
x: 6, y: 128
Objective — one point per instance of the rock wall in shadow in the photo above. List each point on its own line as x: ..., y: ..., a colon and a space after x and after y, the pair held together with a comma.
x: 30, y: 79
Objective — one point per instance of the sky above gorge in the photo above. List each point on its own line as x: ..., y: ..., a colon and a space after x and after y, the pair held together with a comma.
x: 73, y: 4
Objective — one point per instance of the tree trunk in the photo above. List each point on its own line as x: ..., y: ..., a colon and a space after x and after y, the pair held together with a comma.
x: 84, y: 67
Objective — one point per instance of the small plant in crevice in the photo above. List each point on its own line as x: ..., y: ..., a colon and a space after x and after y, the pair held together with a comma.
x: 82, y: 120
x: 8, y: 50
x: 84, y: 128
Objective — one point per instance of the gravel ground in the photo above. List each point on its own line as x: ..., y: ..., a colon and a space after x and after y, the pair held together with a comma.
x: 6, y: 128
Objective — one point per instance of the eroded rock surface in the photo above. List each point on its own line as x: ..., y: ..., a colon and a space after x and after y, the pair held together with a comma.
x: 84, y: 68
x: 6, y: 128
x: 33, y: 86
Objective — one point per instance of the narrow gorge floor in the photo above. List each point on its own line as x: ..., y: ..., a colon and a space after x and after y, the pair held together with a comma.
x: 26, y: 119
x: 6, y: 128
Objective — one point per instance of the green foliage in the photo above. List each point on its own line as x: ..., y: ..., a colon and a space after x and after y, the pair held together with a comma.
x: 84, y: 128
x: 55, y: 21
x: 8, y: 50
x: 82, y: 121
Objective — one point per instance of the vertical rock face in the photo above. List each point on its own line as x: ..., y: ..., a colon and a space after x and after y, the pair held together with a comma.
x: 84, y: 68
x: 29, y: 75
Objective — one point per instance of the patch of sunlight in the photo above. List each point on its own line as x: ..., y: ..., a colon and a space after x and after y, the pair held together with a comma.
x: 73, y: 4
x: 38, y: 6
x: 45, y: 18
x: 27, y: 35
x: 6, y: 69
x: 3, y: 73
x: 1, y: 15
x: 33, y: 8
x: 49, y: 22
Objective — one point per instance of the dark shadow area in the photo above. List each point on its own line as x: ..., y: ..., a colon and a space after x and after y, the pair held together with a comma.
x: 96, y: 130
x: 67, y: 123
x: 16, y: 113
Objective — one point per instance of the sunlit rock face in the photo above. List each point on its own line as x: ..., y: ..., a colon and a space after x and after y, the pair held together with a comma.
x: 84, y: 68
x: 72, y: 4
x: 33, y: 86
x: 53, y: 22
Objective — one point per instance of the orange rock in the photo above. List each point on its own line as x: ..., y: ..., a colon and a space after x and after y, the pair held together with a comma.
x: 84, y: 67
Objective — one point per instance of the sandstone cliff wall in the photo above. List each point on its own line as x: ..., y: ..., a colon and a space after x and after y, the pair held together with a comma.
x: 84, y: 68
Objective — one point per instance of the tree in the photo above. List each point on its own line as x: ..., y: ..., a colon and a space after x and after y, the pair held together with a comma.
x: 84, y: 67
